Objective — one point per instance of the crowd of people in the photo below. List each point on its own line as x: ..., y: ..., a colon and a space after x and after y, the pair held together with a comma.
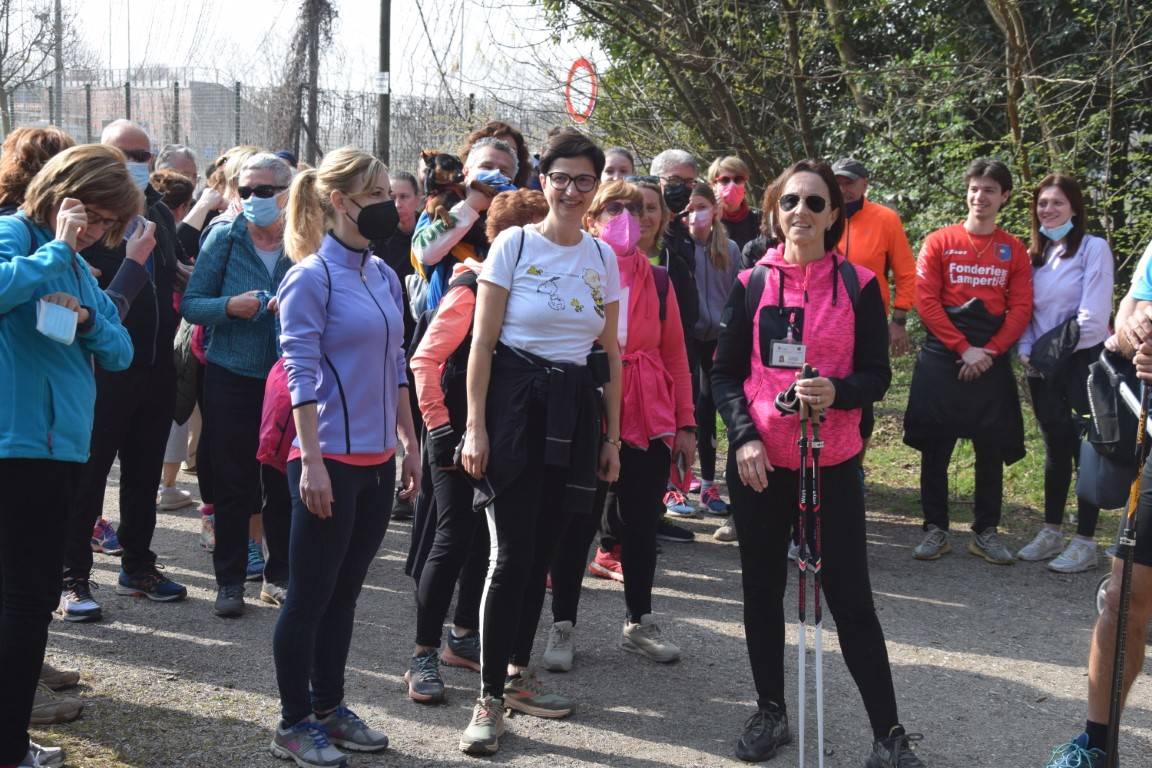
x: 525, y: 355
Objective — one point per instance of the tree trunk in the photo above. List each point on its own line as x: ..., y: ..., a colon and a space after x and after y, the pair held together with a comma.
x: 841, y: 36
x: 799, y: 90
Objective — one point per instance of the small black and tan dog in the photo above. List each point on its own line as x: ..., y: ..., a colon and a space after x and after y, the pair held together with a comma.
x: 444, y: 184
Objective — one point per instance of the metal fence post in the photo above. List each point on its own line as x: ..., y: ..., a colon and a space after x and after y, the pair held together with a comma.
x: 51, y: 106
x: 88, y: 111
x: 175, y: 111
x: 237, y: 109
x: 128, y: 101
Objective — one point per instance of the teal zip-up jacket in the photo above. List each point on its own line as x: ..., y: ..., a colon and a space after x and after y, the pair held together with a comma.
x: 49, y: 391
x: 228, y: 266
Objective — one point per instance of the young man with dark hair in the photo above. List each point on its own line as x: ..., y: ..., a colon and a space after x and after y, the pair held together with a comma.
x: 974, y: 295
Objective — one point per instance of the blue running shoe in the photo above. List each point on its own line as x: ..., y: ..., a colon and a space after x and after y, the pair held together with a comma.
x: 346, y: 730
x: 150, y: 584
x: 307, y: 744
x: 1075, y: 754
x: 104, y: 539
x: 255, y: 561
x: 711, y: 502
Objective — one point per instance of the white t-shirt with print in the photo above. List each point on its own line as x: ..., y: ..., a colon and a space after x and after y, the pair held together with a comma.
x: 556, y: 293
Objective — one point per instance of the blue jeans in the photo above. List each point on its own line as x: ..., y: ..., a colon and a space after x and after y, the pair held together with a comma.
x: 328, y: 560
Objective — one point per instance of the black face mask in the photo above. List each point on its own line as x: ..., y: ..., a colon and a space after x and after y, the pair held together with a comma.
x: 677, y: 197
x: 378, y: 221
x: 851, y: 209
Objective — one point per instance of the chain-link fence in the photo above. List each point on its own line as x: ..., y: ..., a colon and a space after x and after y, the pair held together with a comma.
x: 210, y: 115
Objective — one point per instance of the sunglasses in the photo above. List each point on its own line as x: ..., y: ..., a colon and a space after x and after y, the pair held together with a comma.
x: 263, y: 190
x: 584, y: 182
x: 676, y: 181
x: 615, y: 208
x: 726, y: 180
x: 643, y: 179
x: 137, y: 155
x: 814, y: 203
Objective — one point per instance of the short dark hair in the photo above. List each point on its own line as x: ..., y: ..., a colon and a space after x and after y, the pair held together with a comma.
x: 993, y: 169
x: 396, y: 176
x: 1071, y: 189
x: 835, y: 197
x: 569, y: 142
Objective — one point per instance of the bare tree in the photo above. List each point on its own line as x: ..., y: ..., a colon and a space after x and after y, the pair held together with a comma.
x: 26, y: 51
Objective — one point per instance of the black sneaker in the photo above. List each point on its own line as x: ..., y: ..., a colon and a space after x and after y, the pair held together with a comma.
x: 423, y: 677
x: 230, y: 601
x: 672, y: 532
x: 764, y: 733
x: 895, y: 751
x: 402, y: 508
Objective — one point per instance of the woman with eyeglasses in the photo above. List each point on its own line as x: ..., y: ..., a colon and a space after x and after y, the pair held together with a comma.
x: 657, y: 427
x: 804, y: 303
x: 232, y: 290
x: 729, y: 179
x: 538, y: 431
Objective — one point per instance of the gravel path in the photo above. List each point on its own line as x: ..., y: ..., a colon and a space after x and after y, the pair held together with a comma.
x: 988, y: 663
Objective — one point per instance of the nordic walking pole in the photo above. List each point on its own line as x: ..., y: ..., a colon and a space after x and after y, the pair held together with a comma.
x: 803, y: 563
x: 1125, y: 551
x: 816, y: 567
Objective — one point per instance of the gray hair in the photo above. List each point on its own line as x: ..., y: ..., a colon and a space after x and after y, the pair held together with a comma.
x: 169, y: 151
x: 670, y: 157
x: 495, y: 143
x: 266, y: 161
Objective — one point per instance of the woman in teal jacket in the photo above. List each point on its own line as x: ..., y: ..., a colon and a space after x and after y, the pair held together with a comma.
x: 82, y: 195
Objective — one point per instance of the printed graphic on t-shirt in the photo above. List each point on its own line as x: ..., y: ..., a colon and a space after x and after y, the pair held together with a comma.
x: 559, y: 302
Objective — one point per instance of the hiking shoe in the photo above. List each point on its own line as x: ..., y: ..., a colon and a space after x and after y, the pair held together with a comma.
x: 482, y: 736
x: 462, y: 651
x: 895, y: 752
x: 346, y: 730
x: 45, y: 757
x: 678, y: 505
x: 726, y: 531
x: 58, y: 679
x: 668, y: 531
x: 150, y: 584
x: 402, y: 508
x: 987, y: 544
x: 174, y: 498
x: 644, y: 639
x: 273, y: 594
x: 230, y: 601
x: 49, y: 708
x: 104, y: 539
x: 77, y: 603
x: 524, y: 693
x: 1047, y: 544
x: 207, y: 530
x: 423, y: 677
x: 255, y: 561
x: 561, y: 650
x: 607, y: 565
x: 934, y: 546
x: 711, y: 503
x: 764, y: 733
x: 307, y: 744
x: 1079, y: 556
x: 1075, y: 754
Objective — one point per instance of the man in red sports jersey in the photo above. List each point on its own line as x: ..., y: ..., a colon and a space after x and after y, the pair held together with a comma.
x: 974, y: 295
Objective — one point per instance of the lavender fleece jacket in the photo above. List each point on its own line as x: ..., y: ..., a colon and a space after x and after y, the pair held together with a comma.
x: 342, y: 333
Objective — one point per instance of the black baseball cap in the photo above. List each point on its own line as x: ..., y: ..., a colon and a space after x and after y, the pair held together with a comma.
x: 850, y: 167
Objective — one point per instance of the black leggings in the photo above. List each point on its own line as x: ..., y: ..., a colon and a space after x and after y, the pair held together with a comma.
x: 705, y: 410
x: 1061, y: 454
x: 643, y: 476
x: 460, y: 549
x: 765, y: 522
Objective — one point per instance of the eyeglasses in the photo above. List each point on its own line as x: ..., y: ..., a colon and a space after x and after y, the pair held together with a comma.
x: 814, y: 203
x: 726, y: 180
x: 585, y: 182
x: 615, y: 208
x: 98, y: 221
x: 137, y: 155
x: 676, y: 181
x: 642, y: 179
x: 263, y: 190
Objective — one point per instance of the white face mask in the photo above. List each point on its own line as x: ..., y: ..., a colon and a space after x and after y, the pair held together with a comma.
x: 56, y: 322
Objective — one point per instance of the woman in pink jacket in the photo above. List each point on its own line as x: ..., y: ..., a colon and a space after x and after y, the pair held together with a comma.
x: 803, y: 297
x: 657, y: 427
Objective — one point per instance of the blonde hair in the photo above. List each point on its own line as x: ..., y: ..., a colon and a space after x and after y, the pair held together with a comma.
x: 730, y: 163
x: 233, y: 161
x: 348, y: 170
x: 94, y: 174
x: 718, y: 240
x: 609, y: 191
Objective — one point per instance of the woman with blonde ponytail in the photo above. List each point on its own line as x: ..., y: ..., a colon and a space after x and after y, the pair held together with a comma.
x: 342, y: 333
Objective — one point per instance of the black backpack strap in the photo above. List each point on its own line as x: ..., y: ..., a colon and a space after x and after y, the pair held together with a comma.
x: 660, y: 277
x: 469, y: 280
x: 755, y: 289
x: 851, y: 281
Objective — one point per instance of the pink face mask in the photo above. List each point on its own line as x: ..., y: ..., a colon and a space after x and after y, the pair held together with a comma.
x: 732, y: 195
x: 699, y: 219
x: 622, y: 232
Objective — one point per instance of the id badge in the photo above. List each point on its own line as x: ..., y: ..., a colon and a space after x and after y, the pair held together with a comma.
x: 783, y: 353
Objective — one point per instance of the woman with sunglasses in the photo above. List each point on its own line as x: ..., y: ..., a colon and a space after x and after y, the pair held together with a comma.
x: 729, y: 179
x: 830, y: 315
x: 657, y: 427
x: 534, y: 439
x: 232, y: 291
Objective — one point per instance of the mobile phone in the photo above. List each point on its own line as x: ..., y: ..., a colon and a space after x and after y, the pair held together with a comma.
x: 134, y: 226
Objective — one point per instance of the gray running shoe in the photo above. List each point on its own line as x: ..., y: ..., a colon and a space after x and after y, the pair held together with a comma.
x: 895, y: 752
x: 1047, y: 544
x: 423, y: 677
x: 561, y: 651
x: 644, y: 639
x: 987, y: 544
x: 230, y: 601
x: 482, y: 736
x: 934, y: 546
x: 764, y: 733
x: 726, y: 531
x: 462, y: 651
x: 307, y: 744
x: 524, y: 693
x: 273, y: 594
x: 346, y: 730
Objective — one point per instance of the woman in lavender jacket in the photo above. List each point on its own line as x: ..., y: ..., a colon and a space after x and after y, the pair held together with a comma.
x: 342, y: 334
x: 1071, y: 282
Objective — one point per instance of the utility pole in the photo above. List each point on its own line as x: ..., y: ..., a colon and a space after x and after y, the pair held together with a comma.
x: 384, y: 85
x: 313, y: 119
x: 59, y: 94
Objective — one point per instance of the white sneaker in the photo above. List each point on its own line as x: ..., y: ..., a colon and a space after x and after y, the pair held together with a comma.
x: 46, y: 757
x: 561, y: 650
x: 1047, y: 544
x: 174, y: 498
x: 644, y: 639
x: 1077, y: 557
x: 726, y: 531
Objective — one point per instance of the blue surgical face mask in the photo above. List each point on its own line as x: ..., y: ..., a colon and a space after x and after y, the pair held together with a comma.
x: 1057, y: 233
x: 139, y: 173
x: 261, y: 211
x: 496, y: 179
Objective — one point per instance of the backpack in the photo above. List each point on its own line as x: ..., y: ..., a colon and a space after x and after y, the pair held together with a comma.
x: 759, y: 274
x: 660, y: 277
